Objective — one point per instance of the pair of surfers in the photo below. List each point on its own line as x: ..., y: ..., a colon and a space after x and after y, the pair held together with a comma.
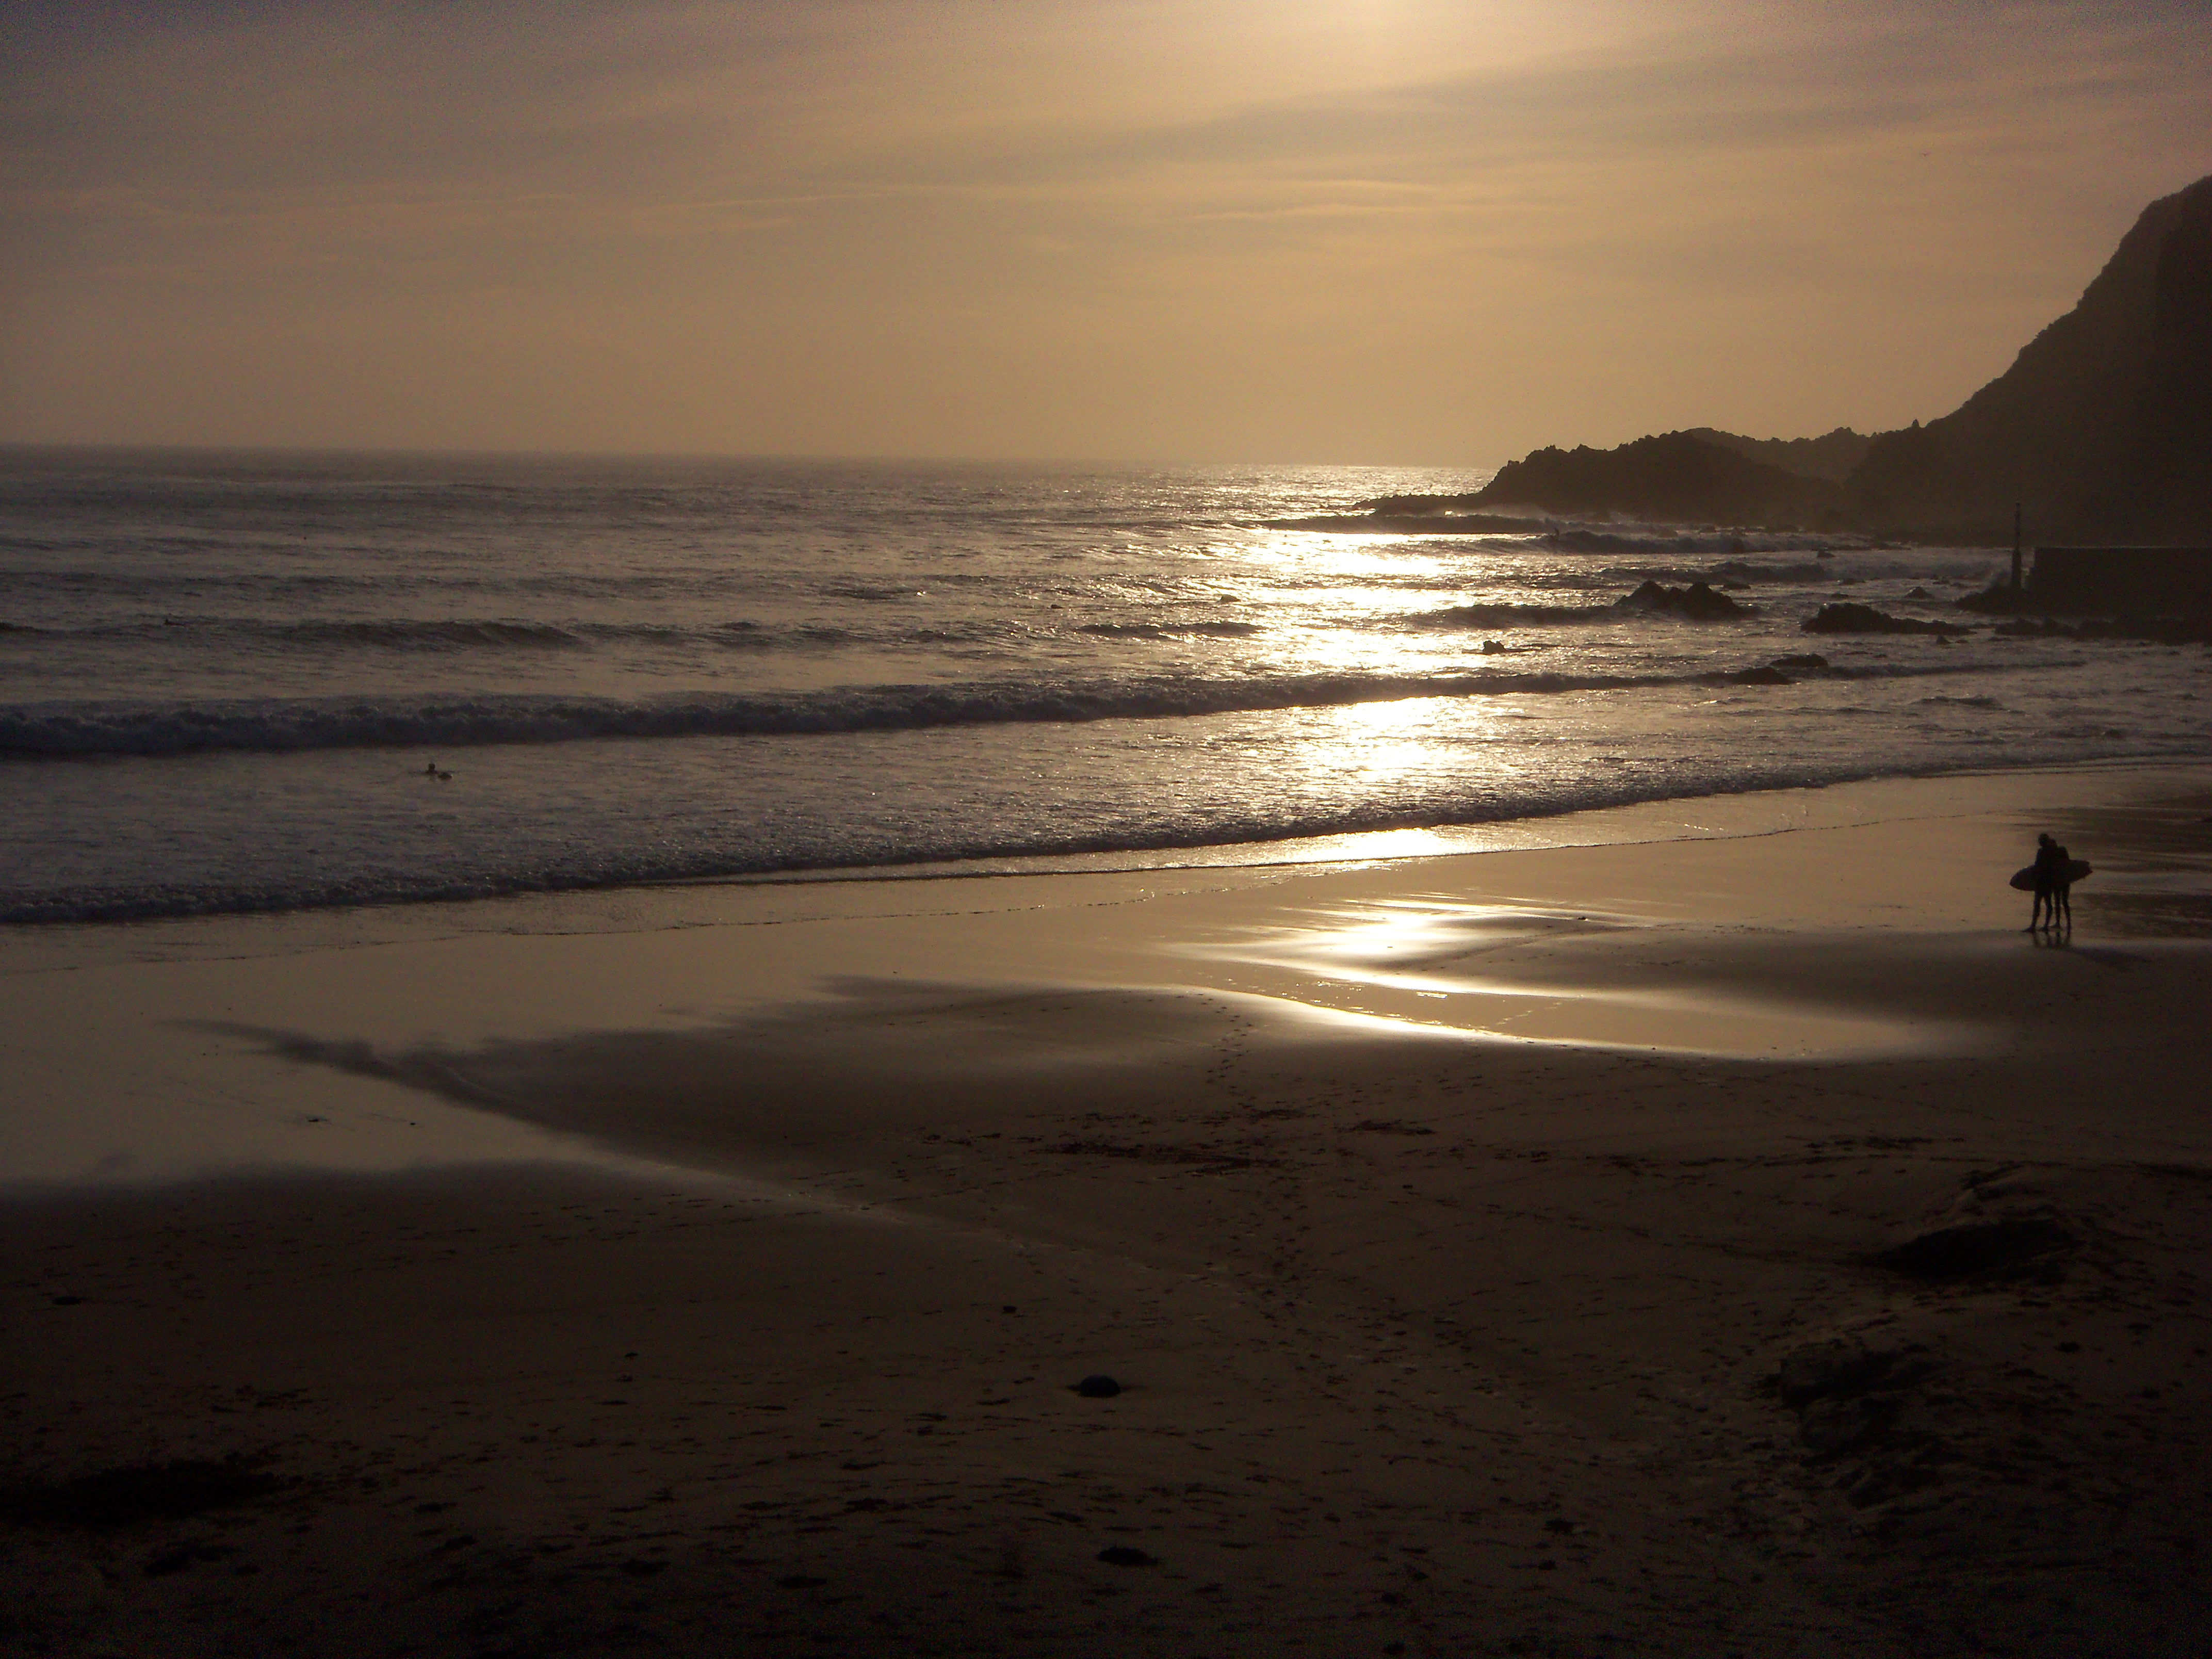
x: 2054, y: 886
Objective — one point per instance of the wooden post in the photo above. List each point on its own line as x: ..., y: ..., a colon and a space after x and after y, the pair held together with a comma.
x: 2016, y: 549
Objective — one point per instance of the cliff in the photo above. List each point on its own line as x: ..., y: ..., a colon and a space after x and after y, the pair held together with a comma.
x: 2101, y: 430
x: 2100, y: 427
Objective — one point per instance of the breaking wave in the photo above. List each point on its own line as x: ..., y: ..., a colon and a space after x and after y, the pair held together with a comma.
x: 1532, y: 616
x: 292, y: 725
x: 462, y: 634
x: 1220, y: 630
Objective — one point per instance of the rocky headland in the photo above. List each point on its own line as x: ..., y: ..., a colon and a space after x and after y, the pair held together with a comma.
x: 1676, y: 477
x: 2100, y: 430
x: 1672, y: 478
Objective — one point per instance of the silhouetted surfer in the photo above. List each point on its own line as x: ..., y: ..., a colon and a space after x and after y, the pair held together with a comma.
x: 2054, y: 890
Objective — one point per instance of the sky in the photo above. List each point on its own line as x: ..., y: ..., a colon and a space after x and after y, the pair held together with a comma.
x: 1352, y: 231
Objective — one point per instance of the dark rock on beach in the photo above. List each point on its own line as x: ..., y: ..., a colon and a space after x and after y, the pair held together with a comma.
x: 1846, y: 1394
x: 1828, y: 1427
x: 132, y: 1493
x: 1821, y: 1371
x: 1989, y: 1247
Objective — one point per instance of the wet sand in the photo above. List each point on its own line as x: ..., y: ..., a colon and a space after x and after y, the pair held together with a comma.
x: 1507, y: 1253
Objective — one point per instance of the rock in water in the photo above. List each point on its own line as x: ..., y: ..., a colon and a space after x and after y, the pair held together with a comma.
x: 1843, y: 617
x: 1695, y: 603
x: 1098, y: 1387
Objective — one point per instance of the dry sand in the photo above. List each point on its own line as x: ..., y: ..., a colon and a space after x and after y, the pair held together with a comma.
x: 1498, y: 1254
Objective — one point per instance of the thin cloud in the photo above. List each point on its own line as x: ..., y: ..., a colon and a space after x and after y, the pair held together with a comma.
x: 1034, y: 225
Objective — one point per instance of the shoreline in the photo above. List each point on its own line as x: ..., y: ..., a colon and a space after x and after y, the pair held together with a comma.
x: 1746, y: 812
x: 1551, y: 1249
x: 1518, y: 833
x: 1550, y: 941
x: 1529, y: 830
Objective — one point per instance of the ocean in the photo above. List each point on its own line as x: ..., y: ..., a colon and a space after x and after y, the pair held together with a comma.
x: 236, y: 682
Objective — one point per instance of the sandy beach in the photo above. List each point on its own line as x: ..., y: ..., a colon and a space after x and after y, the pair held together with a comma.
x: 1722, y: 1231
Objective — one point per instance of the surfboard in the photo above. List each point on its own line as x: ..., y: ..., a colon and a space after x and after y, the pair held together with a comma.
x: 2076, y: 869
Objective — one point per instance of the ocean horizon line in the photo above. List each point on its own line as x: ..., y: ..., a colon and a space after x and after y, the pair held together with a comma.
x: 419, y: 453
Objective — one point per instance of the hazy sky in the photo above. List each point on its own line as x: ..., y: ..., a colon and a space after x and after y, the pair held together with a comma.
x: 1297, y: 230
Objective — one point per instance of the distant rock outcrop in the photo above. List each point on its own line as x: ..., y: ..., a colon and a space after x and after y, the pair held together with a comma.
x: 1678, y: 476
x: 2102, y: 427
x: 1673, y: 477
x: 1831, y: 456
